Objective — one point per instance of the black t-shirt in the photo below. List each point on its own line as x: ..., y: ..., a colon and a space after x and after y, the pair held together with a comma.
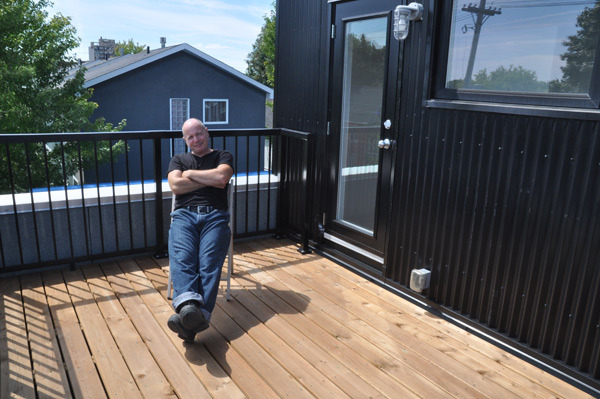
x: 211, y: 196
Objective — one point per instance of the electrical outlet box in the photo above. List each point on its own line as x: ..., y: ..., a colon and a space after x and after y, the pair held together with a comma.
x: 419, y: 279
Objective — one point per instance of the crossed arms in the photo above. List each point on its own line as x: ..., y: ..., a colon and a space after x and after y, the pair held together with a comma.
x: 190, y: 180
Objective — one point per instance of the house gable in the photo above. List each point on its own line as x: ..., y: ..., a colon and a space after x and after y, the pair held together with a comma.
x: 99, y: 72
x: 141, y: 96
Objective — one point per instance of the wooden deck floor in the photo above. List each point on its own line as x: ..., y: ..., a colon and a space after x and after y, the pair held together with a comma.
x: 296, y: 327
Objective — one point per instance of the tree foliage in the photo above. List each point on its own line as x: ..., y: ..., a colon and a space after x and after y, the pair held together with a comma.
x: 368, y: 60
x: 510, y: 79
x: 129, y: 47
x: 38, y: 95
x: 261, y: 61
x: 580, y: 54
x: 25, y: 167
x: 505, y: 79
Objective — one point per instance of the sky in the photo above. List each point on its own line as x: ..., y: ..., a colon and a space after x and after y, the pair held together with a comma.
x: 223, y: 29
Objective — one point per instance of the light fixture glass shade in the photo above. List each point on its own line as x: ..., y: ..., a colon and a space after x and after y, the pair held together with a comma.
x: 404, y: 14
x: 401, y: 24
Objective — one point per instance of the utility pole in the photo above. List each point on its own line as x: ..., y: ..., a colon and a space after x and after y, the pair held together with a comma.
x: 482, y: 15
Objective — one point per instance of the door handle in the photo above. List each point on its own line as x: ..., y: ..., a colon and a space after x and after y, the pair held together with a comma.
x: 385, y: 144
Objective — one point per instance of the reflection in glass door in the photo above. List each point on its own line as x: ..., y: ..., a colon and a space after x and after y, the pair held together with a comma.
x: 364, y: 66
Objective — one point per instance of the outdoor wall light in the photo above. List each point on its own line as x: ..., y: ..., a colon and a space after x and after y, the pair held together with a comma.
x: 403, y: 14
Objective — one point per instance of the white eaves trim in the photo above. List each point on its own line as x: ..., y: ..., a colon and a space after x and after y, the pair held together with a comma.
x: 173, y: 50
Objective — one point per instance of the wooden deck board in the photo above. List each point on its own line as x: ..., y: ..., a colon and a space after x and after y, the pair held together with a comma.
x: 328, y: 332
x: 146, y: 372
x: 367, y: 320
x: 51, y: 379
x: 79, y: 364
x: 446, y: 343
x: 317, y: 383
x: 311, y: 351
x: 112, y: 367
x: 297, y: 326
x: 16, y: 375
x: 278, y: 378
x: 534, y: 380
x: 191, y: 357
x: 337, y: 320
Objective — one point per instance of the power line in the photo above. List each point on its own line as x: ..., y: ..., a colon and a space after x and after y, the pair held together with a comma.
x: 531, y: 4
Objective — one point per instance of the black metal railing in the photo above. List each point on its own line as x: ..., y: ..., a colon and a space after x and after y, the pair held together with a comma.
x: 296, y: 150
x: 71, y: 198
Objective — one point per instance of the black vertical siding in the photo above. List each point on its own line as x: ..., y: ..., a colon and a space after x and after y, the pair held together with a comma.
x: 302, y: 45
x: 300, y: 95
x: 504, y: 209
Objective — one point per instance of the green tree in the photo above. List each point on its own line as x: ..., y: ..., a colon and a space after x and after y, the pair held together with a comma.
x: 38, y: 95
x: 504, y: 79
x: 25, y: 167
x: 129, y: 47
x: 368, y: 60
x: 509, y: 79
x: 580, y: 54
x: 261, y: 61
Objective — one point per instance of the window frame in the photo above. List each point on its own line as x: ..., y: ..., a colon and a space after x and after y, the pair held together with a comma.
x: 591, y: 100
x: 225, y: 100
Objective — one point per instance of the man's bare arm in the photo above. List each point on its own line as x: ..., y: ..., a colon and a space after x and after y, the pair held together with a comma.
x: 217, y: 177
x: 181, y: 185
x: 190, y: 180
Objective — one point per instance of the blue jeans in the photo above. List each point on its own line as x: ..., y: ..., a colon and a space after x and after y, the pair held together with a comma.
x: 198, y: 244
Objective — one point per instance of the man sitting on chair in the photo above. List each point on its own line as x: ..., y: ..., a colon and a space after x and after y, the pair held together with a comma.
x: 199, y: 235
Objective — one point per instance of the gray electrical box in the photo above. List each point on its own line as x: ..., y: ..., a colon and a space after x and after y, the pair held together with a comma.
x: 419, y: 279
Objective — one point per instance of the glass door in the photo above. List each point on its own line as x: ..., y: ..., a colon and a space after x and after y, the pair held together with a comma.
x: 364, y: 76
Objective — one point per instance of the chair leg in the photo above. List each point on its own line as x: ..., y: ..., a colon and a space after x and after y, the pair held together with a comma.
x: 169, y: 285
x: 229, y: 269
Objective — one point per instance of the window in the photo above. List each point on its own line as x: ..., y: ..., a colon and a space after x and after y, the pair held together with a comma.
x: 180, y: 112
x: 523, y: 51
x: 216, y: 111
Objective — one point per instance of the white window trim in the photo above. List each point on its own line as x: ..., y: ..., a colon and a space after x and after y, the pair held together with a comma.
x: 226, y: 111
x: 171, y: 110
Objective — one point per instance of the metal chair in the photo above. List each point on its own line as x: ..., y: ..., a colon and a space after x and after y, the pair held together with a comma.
x: 230, y: 197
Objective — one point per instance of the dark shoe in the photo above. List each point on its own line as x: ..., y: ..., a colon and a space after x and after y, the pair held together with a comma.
x: 192, y: 317
x: 175, y: 325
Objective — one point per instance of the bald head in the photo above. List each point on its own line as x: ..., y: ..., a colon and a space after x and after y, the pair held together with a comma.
x: 194, y: 124
x: 196, y: 136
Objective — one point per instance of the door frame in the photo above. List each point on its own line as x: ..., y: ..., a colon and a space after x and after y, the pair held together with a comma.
x: 338, y: 236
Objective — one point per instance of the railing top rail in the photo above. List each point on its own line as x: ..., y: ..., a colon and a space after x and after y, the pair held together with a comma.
x: 295, y: 134
x: 126, y: 135
x: 241, y: 132
x: 147, y: 134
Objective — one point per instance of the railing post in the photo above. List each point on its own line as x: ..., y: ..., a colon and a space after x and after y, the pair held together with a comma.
x: 161, y: 251
x: 304, y: 249
x: 280, y: 188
